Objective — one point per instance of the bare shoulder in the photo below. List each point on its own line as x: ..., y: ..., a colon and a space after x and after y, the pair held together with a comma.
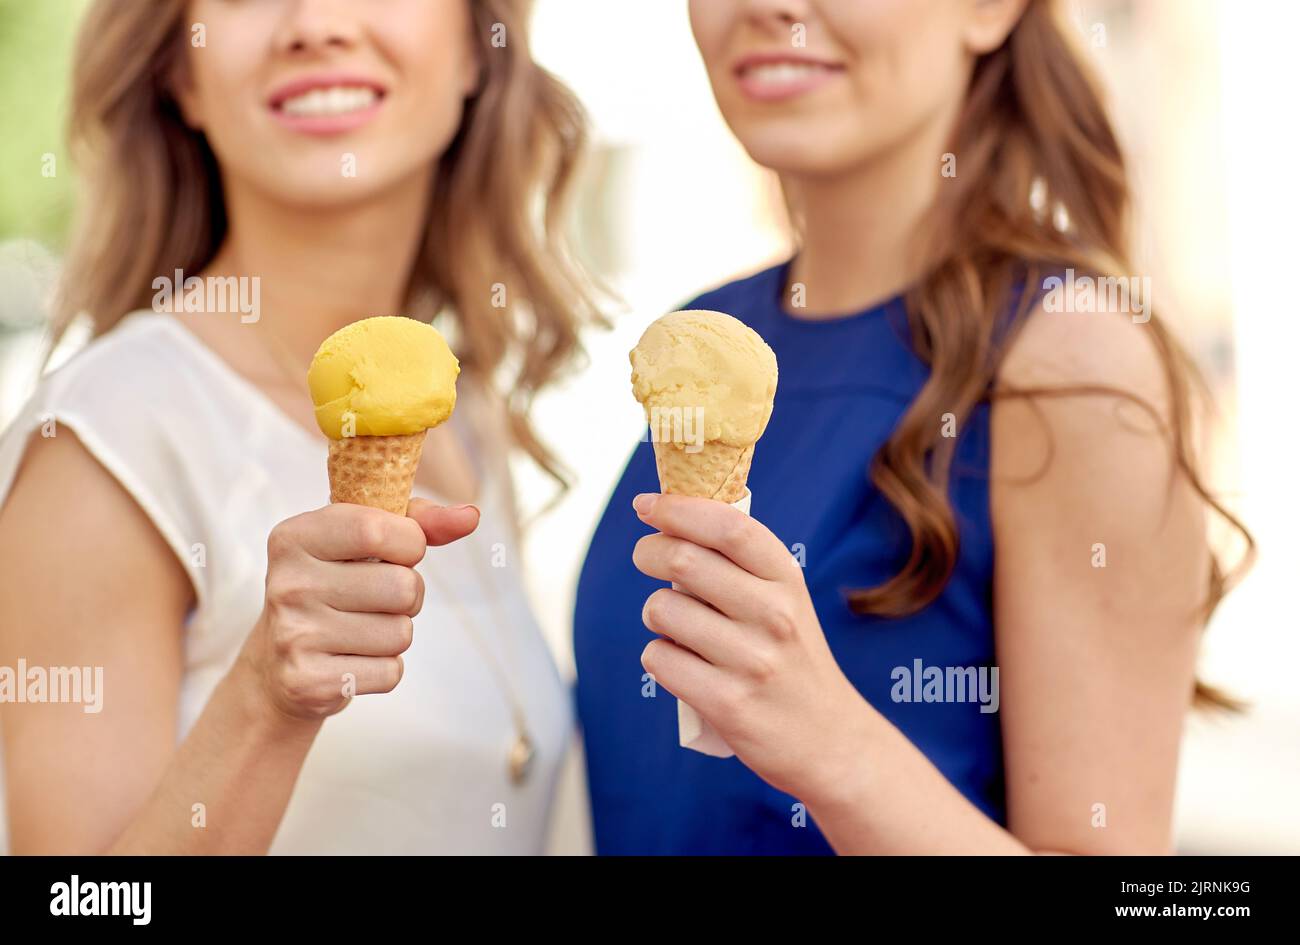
x: 1097, y: 383
x: 67, y: 520
x: 1090, y: 450
x: 1087, y: 346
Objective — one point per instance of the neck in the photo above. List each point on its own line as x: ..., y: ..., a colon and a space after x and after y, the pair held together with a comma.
x: 323, y: 268
x: 858, y: 226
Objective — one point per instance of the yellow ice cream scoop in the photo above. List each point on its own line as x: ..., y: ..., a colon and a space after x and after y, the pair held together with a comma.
x: 707, y: 382
x: 382, y: 376
x: 710, y: 363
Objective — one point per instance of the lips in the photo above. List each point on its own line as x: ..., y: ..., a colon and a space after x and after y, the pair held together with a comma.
x: 326, y: 104
x: 780, y: 76
x: 335, y: 100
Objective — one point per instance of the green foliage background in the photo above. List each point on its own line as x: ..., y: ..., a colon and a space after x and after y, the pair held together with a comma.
x: 36, y: 38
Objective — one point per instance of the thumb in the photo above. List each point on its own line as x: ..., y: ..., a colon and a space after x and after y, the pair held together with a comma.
x: 443, y: 525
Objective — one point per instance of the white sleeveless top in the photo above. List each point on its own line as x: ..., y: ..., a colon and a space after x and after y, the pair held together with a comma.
x: 215, y: 463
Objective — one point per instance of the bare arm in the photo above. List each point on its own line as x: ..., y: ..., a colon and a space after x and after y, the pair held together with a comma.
x: 1102, y: 563
x: 85, y: 580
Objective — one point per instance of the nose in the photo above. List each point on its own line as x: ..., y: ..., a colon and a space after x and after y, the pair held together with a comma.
x: 314, y: 26
x: 778, y: 12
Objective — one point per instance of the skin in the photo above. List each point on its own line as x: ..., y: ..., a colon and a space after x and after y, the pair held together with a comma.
x: 1096, y: 663
x: 328, y: 250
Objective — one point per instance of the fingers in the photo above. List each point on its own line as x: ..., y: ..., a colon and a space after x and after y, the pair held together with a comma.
x: 682, y: 673
x: 341, y: 590
x: 442, y: 526
x: 690, y: 623
x: 315, y: 685
x: 363, y: 675
x: 346, y: 532
x: 372, y: 587
x: 717, y: 525
x: 369, y: 635
x: 702, y: 571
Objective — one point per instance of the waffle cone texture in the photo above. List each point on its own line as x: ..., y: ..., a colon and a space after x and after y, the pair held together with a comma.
x: 376, y: 471
x: 715, y: 471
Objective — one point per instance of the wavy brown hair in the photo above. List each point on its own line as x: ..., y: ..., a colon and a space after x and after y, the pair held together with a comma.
x: 154, y: 200
x: 1033, y: 119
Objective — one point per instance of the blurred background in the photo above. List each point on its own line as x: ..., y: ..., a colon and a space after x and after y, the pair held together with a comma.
x: 671, y: 205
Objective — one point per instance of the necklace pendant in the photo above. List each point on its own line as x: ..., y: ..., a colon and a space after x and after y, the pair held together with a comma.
x: 521, y: 758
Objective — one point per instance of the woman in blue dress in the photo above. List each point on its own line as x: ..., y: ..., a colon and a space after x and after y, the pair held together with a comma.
x: 979, y: 458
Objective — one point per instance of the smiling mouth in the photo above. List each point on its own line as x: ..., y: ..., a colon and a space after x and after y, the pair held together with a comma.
x: 330, y: 102
x: 781, y: 73
x: 767, y: 78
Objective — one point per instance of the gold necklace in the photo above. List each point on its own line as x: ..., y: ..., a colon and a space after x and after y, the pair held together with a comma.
x: 285, y: 359
x: 519, y: 758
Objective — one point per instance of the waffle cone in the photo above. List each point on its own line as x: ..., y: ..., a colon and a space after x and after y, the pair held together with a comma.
x: 715, y: 471
x: 377, y: 471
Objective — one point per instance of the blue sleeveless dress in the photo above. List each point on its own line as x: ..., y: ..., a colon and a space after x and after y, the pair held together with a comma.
x: 844, y: 384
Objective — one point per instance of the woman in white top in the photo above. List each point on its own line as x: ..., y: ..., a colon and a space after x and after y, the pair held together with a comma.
x: 165, y: 513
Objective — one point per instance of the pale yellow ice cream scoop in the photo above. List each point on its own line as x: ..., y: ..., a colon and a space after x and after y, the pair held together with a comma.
x: 711, y: 362
x: 383, y: 376
x: 707, y: 382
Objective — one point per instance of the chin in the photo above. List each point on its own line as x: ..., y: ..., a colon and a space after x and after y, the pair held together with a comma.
x: 795, y: 153
x: 324, y: 181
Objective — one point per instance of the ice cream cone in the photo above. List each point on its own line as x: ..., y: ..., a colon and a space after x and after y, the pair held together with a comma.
x: 376, y: 471
x: 712, y: 471
x: 378, y: 385
x: 707, y: 382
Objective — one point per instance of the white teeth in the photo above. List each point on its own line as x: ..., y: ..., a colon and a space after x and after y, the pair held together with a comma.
x: 337, y: 100
x: 781, y: 73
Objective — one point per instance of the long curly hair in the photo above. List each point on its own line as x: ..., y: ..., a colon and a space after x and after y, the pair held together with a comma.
x: 1033, y: 122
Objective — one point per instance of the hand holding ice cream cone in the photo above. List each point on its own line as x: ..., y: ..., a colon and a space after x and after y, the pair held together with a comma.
x: 707, y: 382
x: 341, y: 584
x: 739, y: 639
